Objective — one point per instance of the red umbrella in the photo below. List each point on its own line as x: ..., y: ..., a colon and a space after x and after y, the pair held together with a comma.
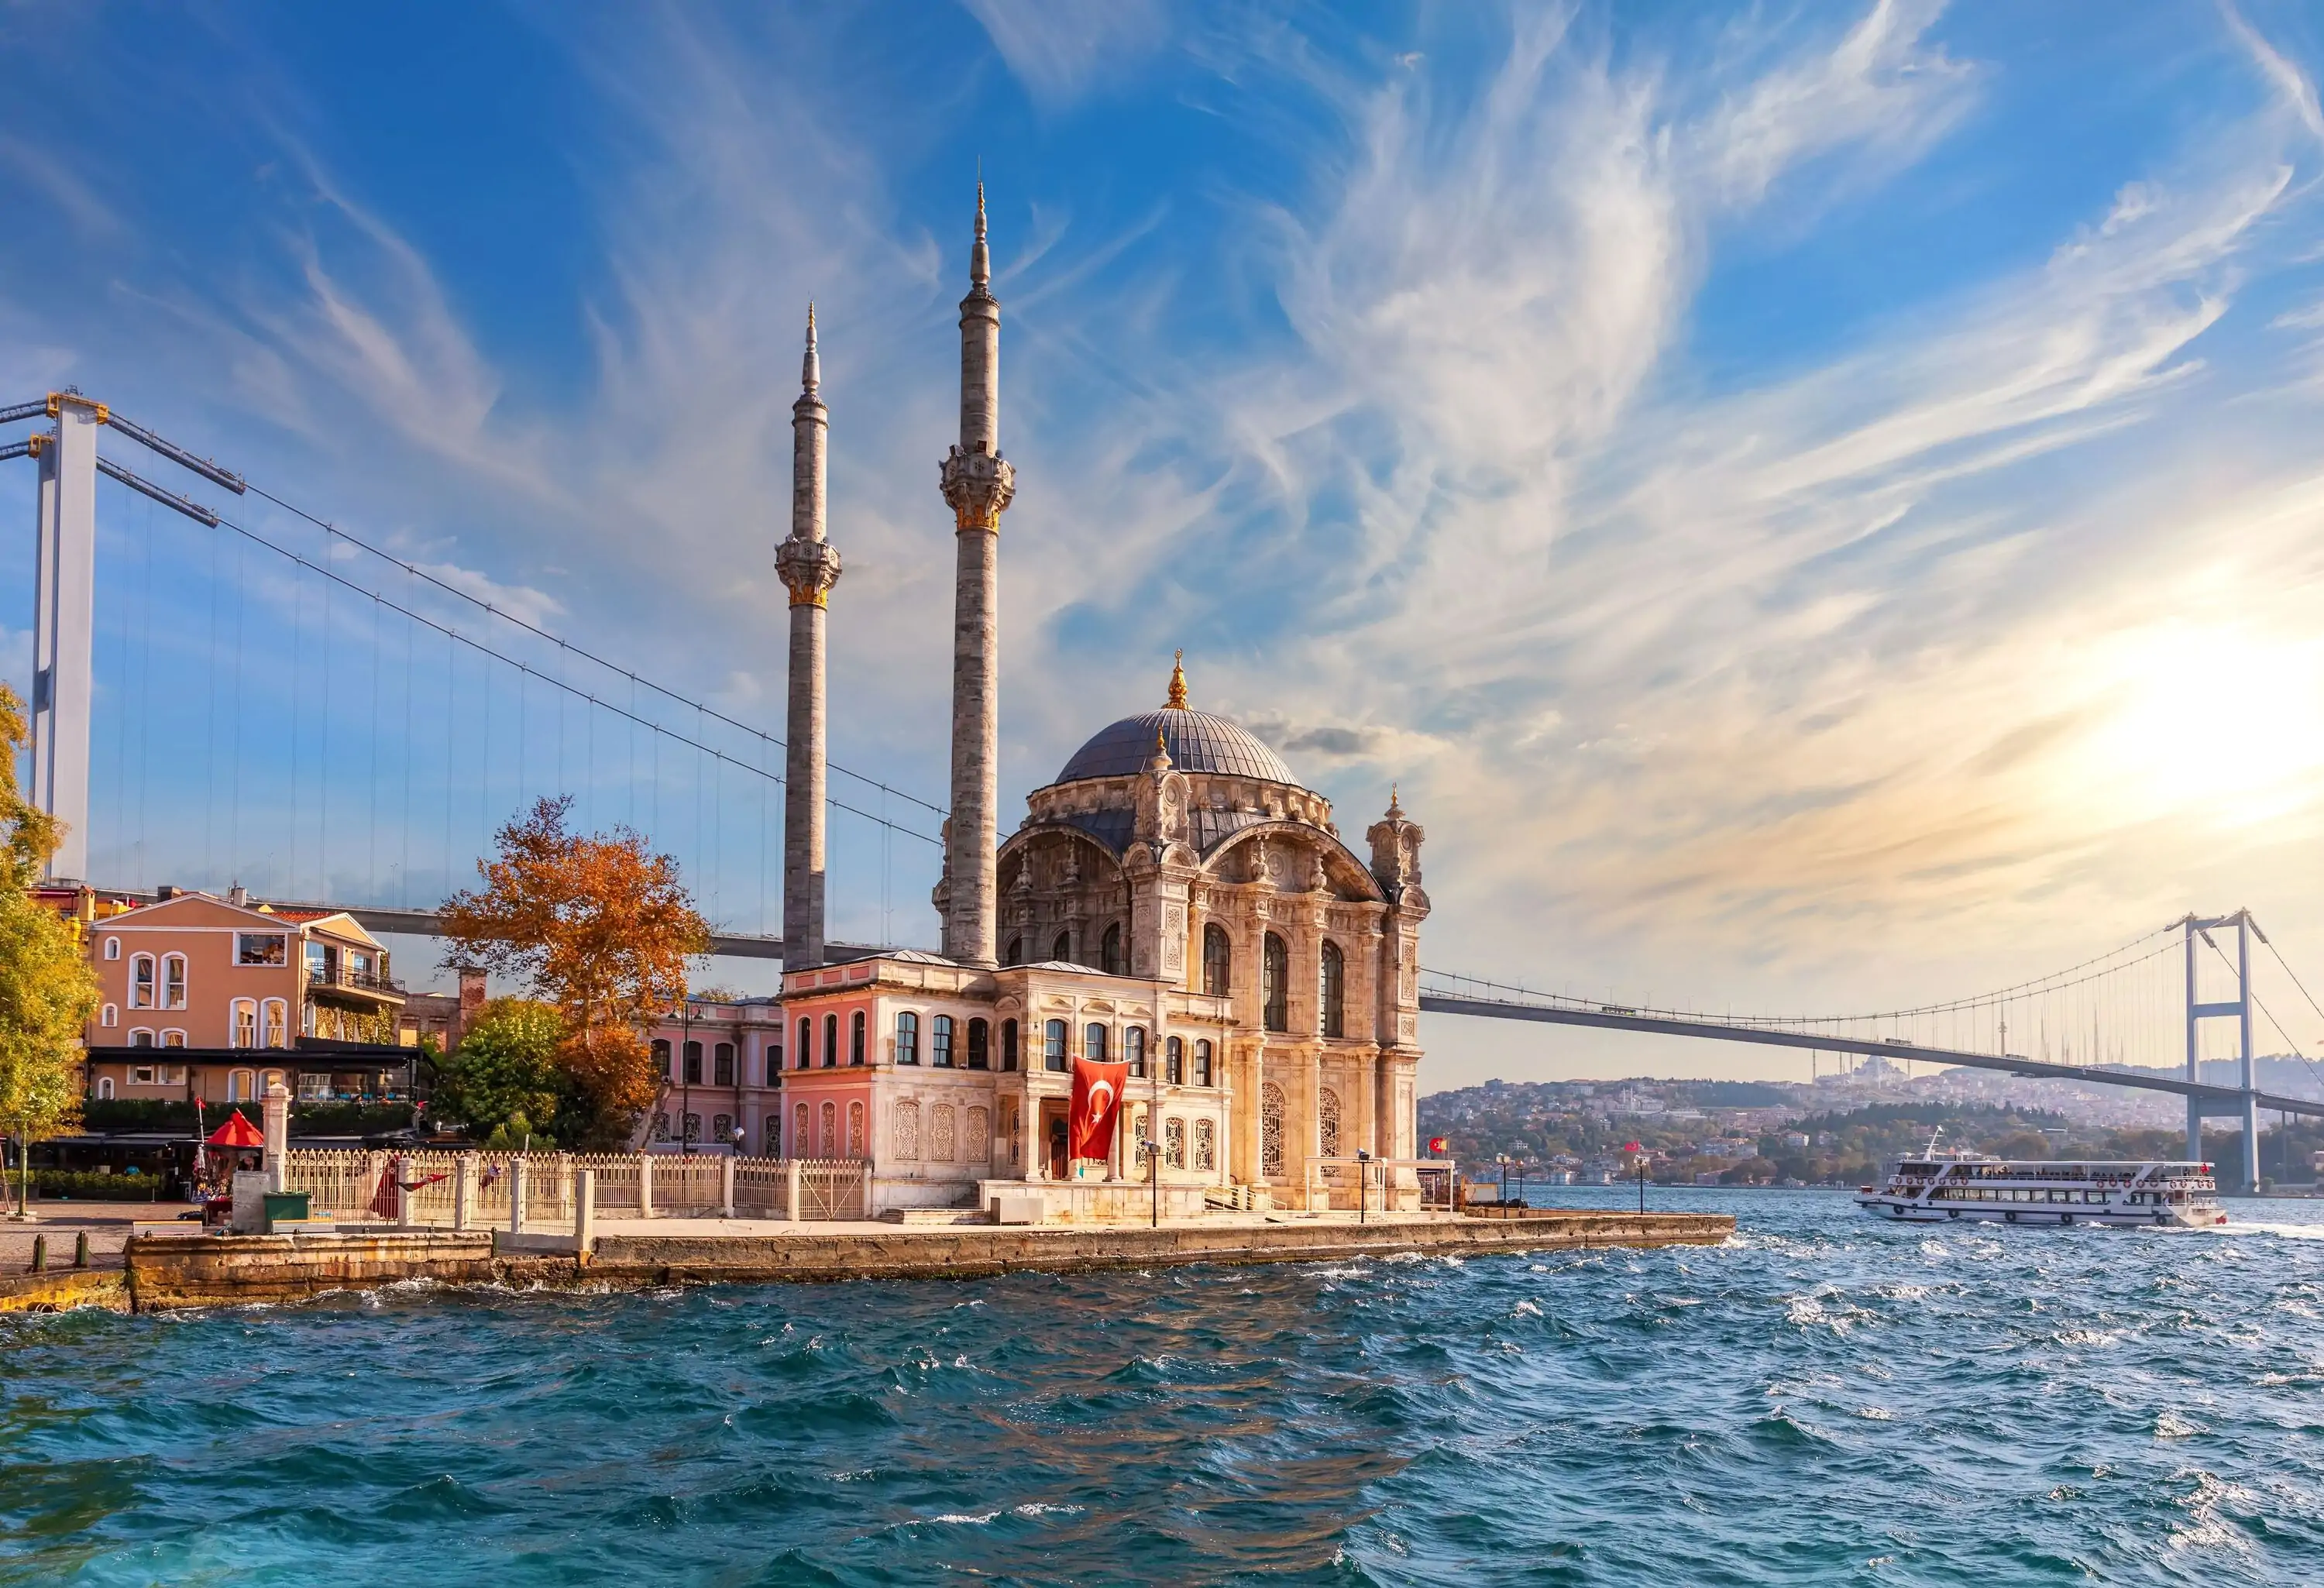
x: 237, y: 1131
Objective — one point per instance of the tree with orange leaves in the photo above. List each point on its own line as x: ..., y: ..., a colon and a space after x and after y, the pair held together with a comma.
x: 595, y: 926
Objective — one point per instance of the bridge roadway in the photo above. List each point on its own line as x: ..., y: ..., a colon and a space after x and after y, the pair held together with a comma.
x: 2215, y: 1099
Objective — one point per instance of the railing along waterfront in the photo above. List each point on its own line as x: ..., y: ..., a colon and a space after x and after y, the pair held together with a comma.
x: 476, y: 1190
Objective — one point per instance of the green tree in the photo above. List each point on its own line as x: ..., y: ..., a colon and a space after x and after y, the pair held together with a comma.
x: 48, y: 990
x: 507, y: 1068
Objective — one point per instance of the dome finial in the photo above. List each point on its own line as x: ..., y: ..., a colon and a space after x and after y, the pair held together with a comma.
x: 1178, y: 701
x: 1394, y: 810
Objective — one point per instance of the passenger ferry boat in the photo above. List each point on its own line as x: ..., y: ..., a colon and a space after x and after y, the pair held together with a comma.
x: 1937, y: 1188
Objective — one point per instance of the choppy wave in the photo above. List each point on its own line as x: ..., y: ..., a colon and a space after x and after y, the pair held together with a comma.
x: 1821, y: 1400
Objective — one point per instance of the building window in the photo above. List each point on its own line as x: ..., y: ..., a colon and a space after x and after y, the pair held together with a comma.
x: 1093, y: 1042
x: 774, y: 1126
x: 1174, y: 1061
x: 141, y: 1037
x: 1218, y: 959
x: 1206, y: 1144
x: 1334, y: 991
x: 774, y: 1055
x: 141, y: 981
x: 722, y: 1065
x: 694, y: 1128
x: 1133, y: 1050
x: 140, y: 1075
x: 941, y: 1140
x: 105, y: 1088
x: 1052, y: 1046
x: 1271, y: 1129
x: 241, y: 1085
x: 661, y: 1058
x: 112, y: 948
x: 1110, y: 950
x: 246, y: 1023
x: 976, y: 1141
x: 831, y: 1041
x: 1327, y: 1123
x: 855, y: 1129
x: 721, y: 1129
x: 693, y: 1067
x: 1173, y: 1143
x: 904, y: 1133
x: 275, y: 1024
x: 110, y: 1015
x: 828, y: 1118
x: 908, y: 1037
x: 980, y: 1044
x: 661, y: 1126
x: 940, y: 1042
x: 1062, y: 948
x: 1201, y: 1064
x: 806, y: 1041
x: 1016, y: 955
x: 173, y: 981
x: 261, y: 948
x: 802, y: 1143
x: 1274, y: 983
x: 1009, y: 1045
x: 855, y: 1024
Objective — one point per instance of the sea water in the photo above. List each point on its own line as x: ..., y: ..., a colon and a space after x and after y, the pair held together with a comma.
x: 1823, y: 1398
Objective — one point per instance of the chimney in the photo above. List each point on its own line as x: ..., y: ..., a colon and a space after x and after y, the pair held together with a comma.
x: 163, y: 893
x: 238, y: 895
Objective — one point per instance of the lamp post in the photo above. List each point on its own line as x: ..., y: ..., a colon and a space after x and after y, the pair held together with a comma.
x: 1153, y: 1152
x: 1363, y: 1183
x: 685, y: 1079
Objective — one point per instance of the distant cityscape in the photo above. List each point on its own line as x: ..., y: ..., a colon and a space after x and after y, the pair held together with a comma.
x: 1838, y: 1129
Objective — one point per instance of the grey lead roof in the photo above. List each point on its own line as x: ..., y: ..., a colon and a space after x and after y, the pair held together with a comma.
x: 1197, y: 741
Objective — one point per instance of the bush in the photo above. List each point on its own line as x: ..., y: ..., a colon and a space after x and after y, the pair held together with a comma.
x: 506, y: 1070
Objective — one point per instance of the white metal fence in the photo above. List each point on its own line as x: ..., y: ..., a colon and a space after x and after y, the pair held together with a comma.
x: 477, y: 1190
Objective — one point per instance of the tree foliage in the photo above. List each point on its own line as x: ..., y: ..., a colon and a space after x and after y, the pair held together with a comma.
x: 598, y: 927
x: 48, y: 990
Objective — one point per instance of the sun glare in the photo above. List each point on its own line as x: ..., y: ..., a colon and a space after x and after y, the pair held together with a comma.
x: 2216, y: 723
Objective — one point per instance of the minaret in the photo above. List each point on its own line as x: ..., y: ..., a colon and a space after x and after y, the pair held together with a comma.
x: 978, y: 483
x: 808, y: 564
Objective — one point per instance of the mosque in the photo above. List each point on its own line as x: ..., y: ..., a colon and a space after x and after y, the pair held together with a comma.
x: 1174, y: 899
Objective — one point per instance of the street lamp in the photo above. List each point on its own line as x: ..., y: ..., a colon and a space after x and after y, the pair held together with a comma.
x: 1363, y: 1182
x: 1153, y: 1152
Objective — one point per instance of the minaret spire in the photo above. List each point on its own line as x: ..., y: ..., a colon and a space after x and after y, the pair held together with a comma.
x: 809, y: 566
x: 978, y: 485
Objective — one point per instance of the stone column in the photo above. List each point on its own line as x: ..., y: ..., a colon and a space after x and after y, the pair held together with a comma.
x: 978, y: 485
x: 274, y: 1110
x: 516, y: 1195
x: 585, y: 1212
x: 809, y: 567
x: 464, y: 1190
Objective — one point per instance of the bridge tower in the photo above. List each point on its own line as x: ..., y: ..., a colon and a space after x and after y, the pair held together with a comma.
x: 64, y: 619
x: 2239, y: 1010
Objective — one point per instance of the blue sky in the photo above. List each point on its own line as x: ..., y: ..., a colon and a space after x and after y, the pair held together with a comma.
x: 1815, y: 505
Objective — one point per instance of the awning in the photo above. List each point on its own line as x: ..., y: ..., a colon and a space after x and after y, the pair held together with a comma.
x: 237, y: 1131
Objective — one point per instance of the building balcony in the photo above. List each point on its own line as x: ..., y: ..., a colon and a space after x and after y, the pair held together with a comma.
x: 364, y: 984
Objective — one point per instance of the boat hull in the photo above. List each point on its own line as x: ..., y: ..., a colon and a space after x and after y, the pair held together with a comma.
x: 1896, y: 1211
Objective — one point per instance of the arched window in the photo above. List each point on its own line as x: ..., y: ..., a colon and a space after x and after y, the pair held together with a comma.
x: 908, y: 1037
x: 906, y: 1129
x: 802, y: 1144
x: 1173, y: 1143
x: 1009, y: 1045
x: 245, y: 1022
x: 173, y: 1037
x: 855, y: 1024
x: 143, y: 1037
x: 1271, y: 1129
x: 829, y: 1121
x: 1093, y: 1042
x: 661, y: 1058
x: 806, y: 1043
x: 1133, y: 1050
x: 110, y: 1015
x: 775, y: 1057
x: 1218, y: 959
x: 173, y: 981
x: 774, y: 1127
x: 694, y: 1128
x: 831, y: 1041
x: 1201, y: 1064
x: 941, y: 1140
x: 1174, y: 1062
x: 661, y: 1127
x: 855, y: 1129
x: 940, y: 1042
x: 275, y: 1024
x: 1109, y: 951
x: 1334, y: 992
x: 241, y: 1085
x: 105, y: 1088
x: 976, y: 1136
x: 1327, y: 1123
x: 722, y: 1065
x: 721, y: 1129
x: 693, y: 1067
x: 980, y: 1044
x: 1062, y: 948
x: 1206, y: 1144
x: 1052, y: 1046
x: 140, y: 981
x: 112, y: 948
x: 1016, y: 955
x: 1275, y: 984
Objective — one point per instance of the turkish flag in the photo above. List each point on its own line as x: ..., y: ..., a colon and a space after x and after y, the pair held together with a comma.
x: 1097, y: 1100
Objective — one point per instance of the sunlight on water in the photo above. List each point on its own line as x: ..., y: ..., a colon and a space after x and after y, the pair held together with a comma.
x: 1822, y: 1399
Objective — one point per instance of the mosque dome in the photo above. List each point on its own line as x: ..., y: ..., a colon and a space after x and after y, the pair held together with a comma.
x: 1197, y: 741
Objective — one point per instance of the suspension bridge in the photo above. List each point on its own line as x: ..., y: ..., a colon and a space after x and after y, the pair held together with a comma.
x: 291, y: 705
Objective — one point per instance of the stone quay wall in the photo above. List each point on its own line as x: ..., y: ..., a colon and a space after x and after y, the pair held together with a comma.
x: 165, y: 1272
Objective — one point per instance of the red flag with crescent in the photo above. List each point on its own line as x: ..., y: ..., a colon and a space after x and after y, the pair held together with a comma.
x: 1097, y: 1100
